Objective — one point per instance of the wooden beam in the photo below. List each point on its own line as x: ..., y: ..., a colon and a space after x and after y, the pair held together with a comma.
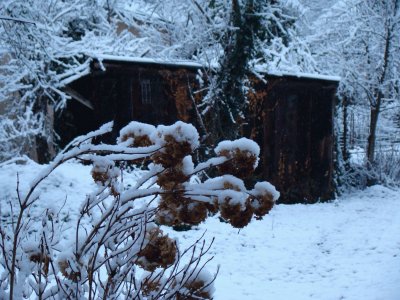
x: 78, y: 97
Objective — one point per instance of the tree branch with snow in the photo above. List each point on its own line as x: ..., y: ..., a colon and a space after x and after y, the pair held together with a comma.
x: 117, y: 248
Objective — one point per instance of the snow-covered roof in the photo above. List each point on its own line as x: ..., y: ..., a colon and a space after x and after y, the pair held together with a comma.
x: 305, y: 75
x: 263, y: 69
x: 198, y: 65
x: 174, y: 63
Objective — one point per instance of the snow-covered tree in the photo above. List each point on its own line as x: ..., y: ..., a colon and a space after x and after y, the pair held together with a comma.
x: 261, y: 35
x: 359, y: 40
x: 37, y: 59
x: 48, y: 44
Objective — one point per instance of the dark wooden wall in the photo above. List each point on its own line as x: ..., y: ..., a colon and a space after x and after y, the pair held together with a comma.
x: 291, y: 118
x: 126, y: 92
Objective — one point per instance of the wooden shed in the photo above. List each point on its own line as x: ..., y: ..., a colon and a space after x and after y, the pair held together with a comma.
x: 122, y: 90
x: 291, y: 117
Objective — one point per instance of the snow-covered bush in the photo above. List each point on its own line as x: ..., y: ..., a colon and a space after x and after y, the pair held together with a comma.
x: 385, y: 170
x: 115, y: 248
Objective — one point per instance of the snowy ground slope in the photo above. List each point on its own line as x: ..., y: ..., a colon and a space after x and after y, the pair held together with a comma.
x: 348, y: 249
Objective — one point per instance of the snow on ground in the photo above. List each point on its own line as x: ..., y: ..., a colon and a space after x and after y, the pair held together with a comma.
x: 347, y: 249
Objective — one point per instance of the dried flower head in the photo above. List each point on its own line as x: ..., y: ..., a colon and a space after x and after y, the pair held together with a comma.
x: 160, y: 251
x: 225, y: 182
x: 174, y: 209
x: 172, y: 152
x: 235, y: 208
x: 198, y: 286
x: 192, y: 212
x: 104, y: 170
x: 151, y: 284
x: 242, y: 157
x: 262, y: 205
x: 240, y: 163
x: 168, y: 209
x: 172, y: 178
x: 263, y: 199
x: 114, y: 189
x: 212, y: 207
x: 237, y: 217
x: 138, y: 134
x: 66, y: 268
x: 41, y: 258
x: 176, y: 141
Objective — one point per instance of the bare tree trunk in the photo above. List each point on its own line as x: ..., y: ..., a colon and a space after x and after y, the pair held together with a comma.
x: 345, y: 129
x: 372, y: 134
x: 376, y: 108
x: 374, y: 114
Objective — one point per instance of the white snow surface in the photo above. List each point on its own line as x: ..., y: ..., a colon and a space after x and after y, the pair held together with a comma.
x: 346, y: 249
x: 262, y: 188
x: 218, y: 183
x: 195, y: 64
x: 136, y: 129
x: 263, y: 69
x: 242, y: 144
x: 180, y: 131
x: 180, y: 63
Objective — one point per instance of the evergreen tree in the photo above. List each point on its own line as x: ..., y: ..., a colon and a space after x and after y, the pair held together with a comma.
x: 232, y: 79
x: 254, y: 26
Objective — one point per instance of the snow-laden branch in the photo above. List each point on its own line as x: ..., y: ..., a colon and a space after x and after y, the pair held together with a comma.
x: 117, y: 228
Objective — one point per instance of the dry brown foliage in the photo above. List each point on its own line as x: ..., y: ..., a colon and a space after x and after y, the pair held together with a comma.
x: 172, y: 153
x: 138, y: 140
x: 66, y: 270
x: 240, y: 163
x: 235, y: 214
x: 98, y: 176
x: 196, y: 290
x: 159, y: 252
x: 262, y: 205
x: 150, y: 285
x: 43, y: 259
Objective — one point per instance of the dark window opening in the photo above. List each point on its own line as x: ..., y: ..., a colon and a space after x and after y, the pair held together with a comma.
x: 145, y: 86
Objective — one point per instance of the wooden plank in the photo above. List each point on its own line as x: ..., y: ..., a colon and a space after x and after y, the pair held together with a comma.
x: 78, y: 97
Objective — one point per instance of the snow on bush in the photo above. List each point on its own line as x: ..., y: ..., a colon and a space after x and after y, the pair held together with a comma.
x: 242, y: 156
x: 265, y: 188
x: 180, y: 132
x: 243, y: 144
x: 197, y: 283
x: 224, y: 182
x: 104, y: 170
x: 139, y: 133
x: 263, y: 198
x: 116, y: 248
